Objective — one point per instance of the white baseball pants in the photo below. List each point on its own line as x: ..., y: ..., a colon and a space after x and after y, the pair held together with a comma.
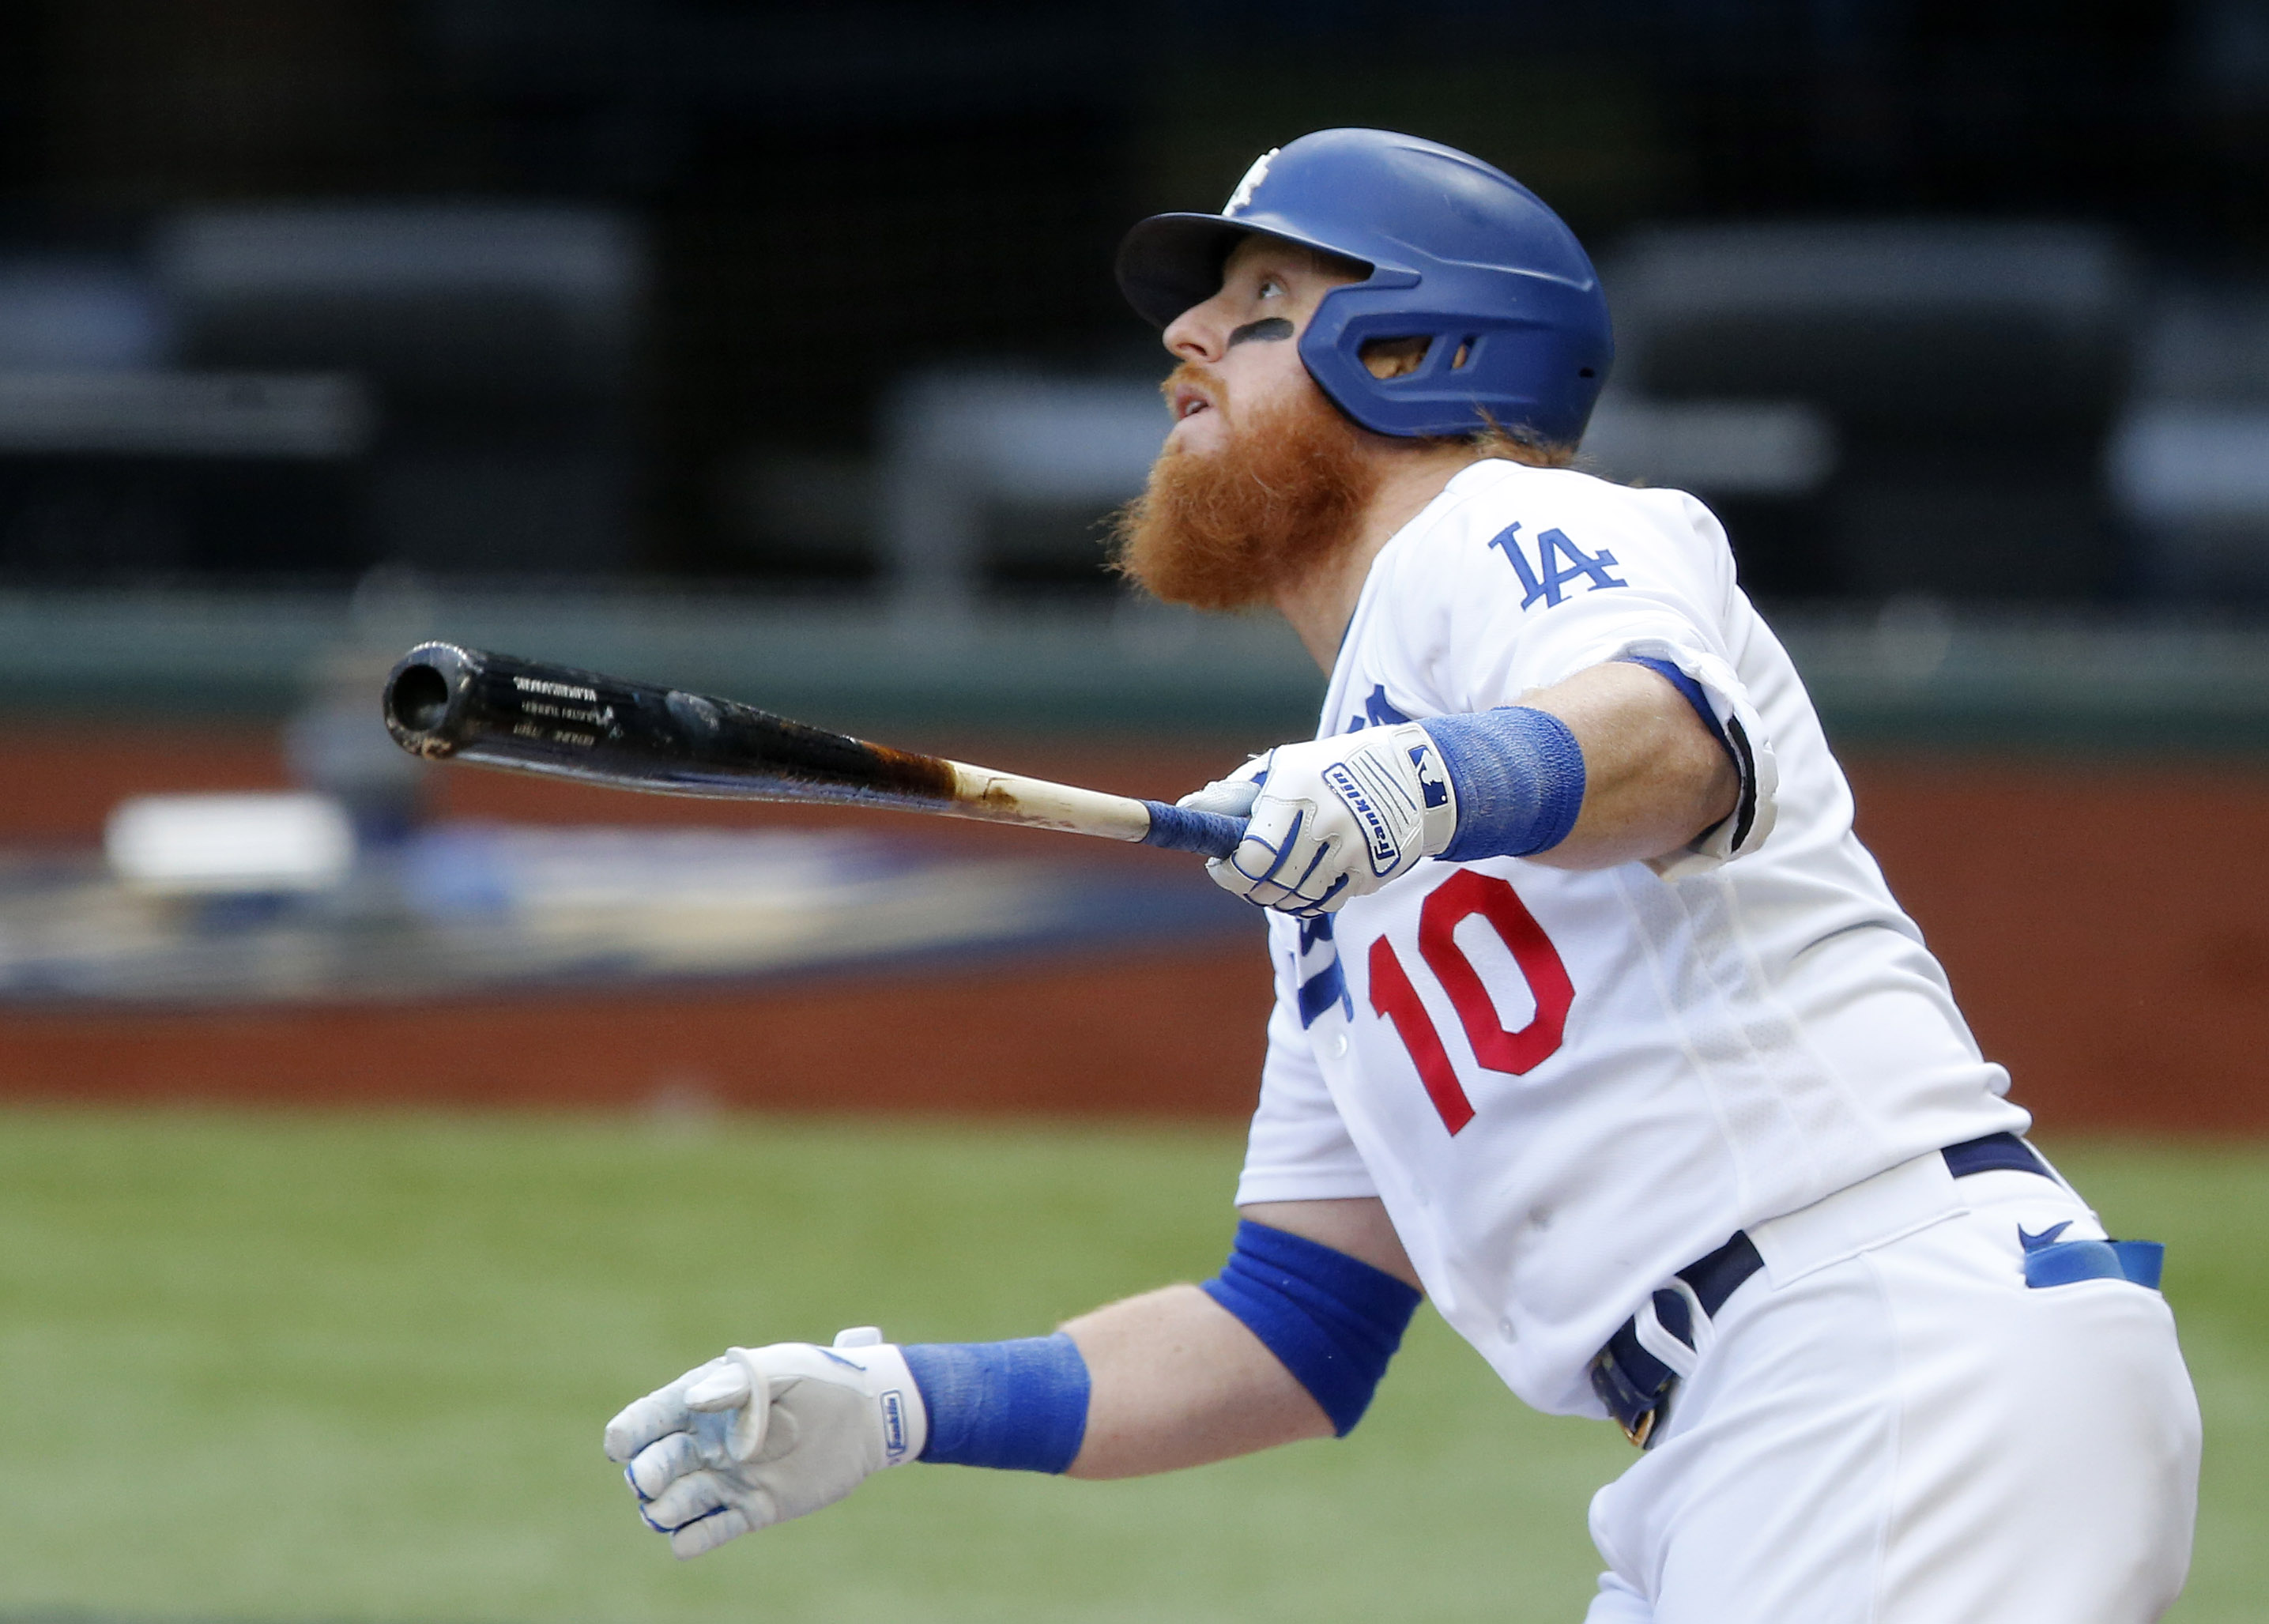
x: 1911, y: 1436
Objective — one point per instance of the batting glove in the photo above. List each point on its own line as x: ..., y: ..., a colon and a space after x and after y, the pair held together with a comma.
x: 762, y: 1434
x: 1333, y: 818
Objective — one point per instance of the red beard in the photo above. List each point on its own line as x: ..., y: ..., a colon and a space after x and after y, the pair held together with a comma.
x: 1224, y: 531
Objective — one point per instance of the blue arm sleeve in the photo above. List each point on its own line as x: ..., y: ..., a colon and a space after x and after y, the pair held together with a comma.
x: 1518, y: 774
x: 1333, y: 1319
x: 1021, y: 1405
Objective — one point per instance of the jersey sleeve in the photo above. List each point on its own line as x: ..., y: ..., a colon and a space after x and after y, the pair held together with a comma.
x: 1552, y: 587
x: 1297, y: 1149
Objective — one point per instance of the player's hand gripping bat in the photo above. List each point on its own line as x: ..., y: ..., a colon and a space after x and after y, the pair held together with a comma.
x: 452, y: 703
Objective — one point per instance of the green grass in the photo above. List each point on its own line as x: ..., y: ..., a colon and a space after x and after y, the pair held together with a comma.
x: 336, y: 1367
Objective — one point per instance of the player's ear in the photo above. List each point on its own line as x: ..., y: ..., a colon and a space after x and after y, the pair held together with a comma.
x: 1395, y: 357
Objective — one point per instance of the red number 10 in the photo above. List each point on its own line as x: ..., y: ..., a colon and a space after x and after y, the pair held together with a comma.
x: 1463, y: 895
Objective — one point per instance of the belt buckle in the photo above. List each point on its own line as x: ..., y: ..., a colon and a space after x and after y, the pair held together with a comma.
x: 1622, y: 1398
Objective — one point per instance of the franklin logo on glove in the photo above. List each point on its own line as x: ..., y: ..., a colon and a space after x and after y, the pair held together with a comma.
x: 894, y: 1425
x: 1333, y: 818
x: 1385, y: 838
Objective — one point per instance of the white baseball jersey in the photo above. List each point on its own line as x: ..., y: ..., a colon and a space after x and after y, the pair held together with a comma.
x: 1567, y: 1086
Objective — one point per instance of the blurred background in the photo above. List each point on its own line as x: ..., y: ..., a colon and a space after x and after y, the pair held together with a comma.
x: 372, y: 1131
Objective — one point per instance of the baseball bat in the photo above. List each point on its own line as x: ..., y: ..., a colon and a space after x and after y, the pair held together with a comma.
x: 447, y: 703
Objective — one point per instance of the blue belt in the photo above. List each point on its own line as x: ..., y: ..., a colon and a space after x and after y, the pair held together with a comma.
x: 1636, y: 1387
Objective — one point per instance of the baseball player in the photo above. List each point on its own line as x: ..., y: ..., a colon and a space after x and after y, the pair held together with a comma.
x: 1593, y: 1021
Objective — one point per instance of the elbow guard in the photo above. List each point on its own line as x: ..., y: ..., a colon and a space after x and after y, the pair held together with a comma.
x: 1333, y: 1320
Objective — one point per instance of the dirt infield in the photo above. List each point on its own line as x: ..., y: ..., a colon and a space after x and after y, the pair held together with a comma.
x: 2104, y: 926
x: 1177, y: 1035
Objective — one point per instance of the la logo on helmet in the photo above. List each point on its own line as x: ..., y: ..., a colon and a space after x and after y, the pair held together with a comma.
x: 1241, y: 199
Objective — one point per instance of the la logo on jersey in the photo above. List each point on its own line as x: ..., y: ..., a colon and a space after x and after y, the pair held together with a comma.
x: 1558, y: 562
x: 1241, y: 199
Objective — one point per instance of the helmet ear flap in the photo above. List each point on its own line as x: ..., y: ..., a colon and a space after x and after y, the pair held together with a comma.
x: 1479, y: 371
x: 1373, y: 355
x: 1455, y: 348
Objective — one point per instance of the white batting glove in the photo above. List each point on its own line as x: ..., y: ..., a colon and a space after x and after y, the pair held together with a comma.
x: 1333, y: 818
x: 762, y: 1434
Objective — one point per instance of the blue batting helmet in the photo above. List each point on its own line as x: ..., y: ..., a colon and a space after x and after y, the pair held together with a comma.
x: 1459, y: 253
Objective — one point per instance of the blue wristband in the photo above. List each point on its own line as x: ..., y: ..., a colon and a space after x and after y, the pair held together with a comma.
x: 1333, y: 1320
x: 1020, y: 1405
x: 1518, y: 774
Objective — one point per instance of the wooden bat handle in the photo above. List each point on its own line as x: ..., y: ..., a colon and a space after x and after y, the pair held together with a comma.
x: 1007, y: 798
x: 448, y: 703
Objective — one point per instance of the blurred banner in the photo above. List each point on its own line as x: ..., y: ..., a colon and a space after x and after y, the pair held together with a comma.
x: 290, y: 908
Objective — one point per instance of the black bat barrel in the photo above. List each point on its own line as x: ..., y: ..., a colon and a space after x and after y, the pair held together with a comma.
x: 447, y: 702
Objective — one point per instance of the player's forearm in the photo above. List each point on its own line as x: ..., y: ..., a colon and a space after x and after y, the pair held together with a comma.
x: 1619, y: 763
x: 1287, y: 1342
x: 1176, y: 1380
x: 1655, y: 778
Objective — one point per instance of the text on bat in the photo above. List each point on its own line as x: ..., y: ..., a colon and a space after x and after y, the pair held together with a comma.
x: 596, y: 719
x: 557, y: 690
x: 556, y: 735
